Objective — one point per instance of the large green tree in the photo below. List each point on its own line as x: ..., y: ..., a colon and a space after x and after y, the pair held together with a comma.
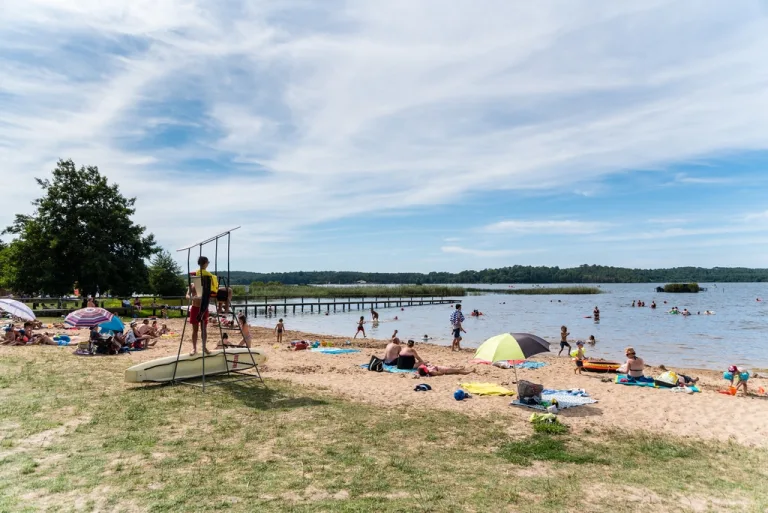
x: 165, y: 276
x: 81, y: 233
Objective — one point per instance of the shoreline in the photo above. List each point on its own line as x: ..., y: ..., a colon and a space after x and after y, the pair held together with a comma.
x: 706, y: 415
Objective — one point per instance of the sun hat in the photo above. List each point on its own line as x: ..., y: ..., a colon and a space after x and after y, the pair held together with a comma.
x: 630, y: 350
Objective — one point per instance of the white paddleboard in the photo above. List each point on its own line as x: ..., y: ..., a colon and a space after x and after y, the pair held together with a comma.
x: 161, y: 370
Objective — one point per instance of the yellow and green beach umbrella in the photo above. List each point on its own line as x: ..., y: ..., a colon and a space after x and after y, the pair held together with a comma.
x: 511, y: 346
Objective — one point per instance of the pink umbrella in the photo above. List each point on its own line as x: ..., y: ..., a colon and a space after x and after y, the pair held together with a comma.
x: 87, y: 317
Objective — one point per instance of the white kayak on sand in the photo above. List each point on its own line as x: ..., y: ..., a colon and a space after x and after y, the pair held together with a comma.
x: 161, y: 370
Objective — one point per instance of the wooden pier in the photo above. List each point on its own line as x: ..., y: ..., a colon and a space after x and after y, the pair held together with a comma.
x: 273, y: 306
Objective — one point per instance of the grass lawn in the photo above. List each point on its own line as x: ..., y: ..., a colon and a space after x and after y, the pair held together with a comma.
x: 81, y: 440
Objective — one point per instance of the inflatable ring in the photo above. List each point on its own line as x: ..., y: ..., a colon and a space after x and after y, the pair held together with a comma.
x: 600, y: 366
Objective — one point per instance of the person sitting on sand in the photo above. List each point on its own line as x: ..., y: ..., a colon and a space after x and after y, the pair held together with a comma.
x: 164, y: 329
x: 436, y: 370
x: 564, y: 340
x: 408, y: 357
x: 591, y: 341
x: 10, y: 335
x: 135, y: 339
x: 392, y: 351
x: 146, y: 330
x: 634, y: 365
x: 279, y: 329
x: 360, y: 327
x: 37, y: 338
x: 579, y: 357
x: 245, y: 329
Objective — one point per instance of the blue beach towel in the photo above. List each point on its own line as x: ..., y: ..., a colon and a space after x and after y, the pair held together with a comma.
x: 333, y: 350
x: 391, y: 368
x: 530, y: 365
x: 645, y: 381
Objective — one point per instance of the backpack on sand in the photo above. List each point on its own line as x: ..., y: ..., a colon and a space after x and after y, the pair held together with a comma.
x: 376, y: 364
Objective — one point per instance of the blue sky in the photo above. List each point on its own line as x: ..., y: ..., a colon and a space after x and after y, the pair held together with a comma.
x: 405, y: 136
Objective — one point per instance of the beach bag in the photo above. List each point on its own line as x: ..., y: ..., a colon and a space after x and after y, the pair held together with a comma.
x: 376, y: 364
x: 666, y: 379
x: 526, y: 389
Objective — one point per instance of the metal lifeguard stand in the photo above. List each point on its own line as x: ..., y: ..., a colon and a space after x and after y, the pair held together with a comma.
x: 233, y: 374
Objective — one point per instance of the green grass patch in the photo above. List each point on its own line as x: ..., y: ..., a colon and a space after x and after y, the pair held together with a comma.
x: 550, y: 428
x: 74, y: 436
x: 542, y: 291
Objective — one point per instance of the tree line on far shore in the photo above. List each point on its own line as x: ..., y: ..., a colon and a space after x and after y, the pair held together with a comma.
x: 513, y: 274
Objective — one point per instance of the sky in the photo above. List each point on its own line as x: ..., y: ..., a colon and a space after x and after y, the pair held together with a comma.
x: 404, y: 135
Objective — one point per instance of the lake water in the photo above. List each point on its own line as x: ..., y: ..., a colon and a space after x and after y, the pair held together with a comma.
x: 736, y: 334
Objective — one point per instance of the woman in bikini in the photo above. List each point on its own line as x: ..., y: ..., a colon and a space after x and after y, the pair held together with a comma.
x: 635, y: 365
x: 279, y: 328
x: 436, y: 370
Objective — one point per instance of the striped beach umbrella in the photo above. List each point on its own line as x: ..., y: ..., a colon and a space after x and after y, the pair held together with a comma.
x: 17, y: 309
x: 87, y: 317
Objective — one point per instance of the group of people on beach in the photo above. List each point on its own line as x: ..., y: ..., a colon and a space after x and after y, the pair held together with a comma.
x: 26, y: 336
x: 407, y: 358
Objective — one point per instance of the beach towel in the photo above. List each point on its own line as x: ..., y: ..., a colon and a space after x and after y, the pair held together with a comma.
x: 333, y: 350
x: 565, y: 399
x: 623, y: 379
x: 486, y: 389
x: 391, y: 368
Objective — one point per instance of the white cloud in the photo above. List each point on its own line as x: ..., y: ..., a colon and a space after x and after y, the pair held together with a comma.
x: 488, y: 253
x: 324, y: 111
x: 757, y: 216
x: 564, y: 227
x: 685, y: 179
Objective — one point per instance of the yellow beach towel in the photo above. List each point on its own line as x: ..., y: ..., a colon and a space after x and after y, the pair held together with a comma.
x: 486, y: 389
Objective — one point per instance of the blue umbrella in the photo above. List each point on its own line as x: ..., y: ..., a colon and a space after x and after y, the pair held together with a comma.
x: 114, y: 325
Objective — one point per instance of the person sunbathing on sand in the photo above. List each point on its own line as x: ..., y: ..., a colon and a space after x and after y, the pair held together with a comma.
x: 634, y: 366
x: 392, y: 352
x: 435, y: 370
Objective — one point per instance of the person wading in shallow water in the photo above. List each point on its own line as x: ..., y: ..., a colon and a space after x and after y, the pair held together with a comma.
x: 596, y: 313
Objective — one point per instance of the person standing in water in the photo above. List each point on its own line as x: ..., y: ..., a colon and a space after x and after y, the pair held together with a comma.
x: 360, y: 327
x: 374, y: 315
x: 596, y: 314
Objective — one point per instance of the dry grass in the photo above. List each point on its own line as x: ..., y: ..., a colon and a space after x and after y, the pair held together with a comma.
x: 74, y: 437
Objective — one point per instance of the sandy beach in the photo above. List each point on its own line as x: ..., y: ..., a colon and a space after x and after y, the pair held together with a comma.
x: 705, y: 415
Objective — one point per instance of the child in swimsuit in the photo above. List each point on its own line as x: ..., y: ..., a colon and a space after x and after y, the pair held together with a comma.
x: 579, y: 358
x: 564, y: 340
x: 360, y: 327
x: 245, y: 330
x: 279, y: 328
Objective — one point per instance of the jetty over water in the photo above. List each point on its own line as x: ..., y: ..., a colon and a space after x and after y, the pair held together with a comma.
x: 271, y: 306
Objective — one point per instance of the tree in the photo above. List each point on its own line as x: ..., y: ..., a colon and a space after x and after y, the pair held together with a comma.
x: 81, y: 231
x: 165, y: 276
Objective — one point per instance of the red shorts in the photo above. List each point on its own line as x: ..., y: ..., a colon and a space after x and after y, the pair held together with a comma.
x: 194, y: 311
